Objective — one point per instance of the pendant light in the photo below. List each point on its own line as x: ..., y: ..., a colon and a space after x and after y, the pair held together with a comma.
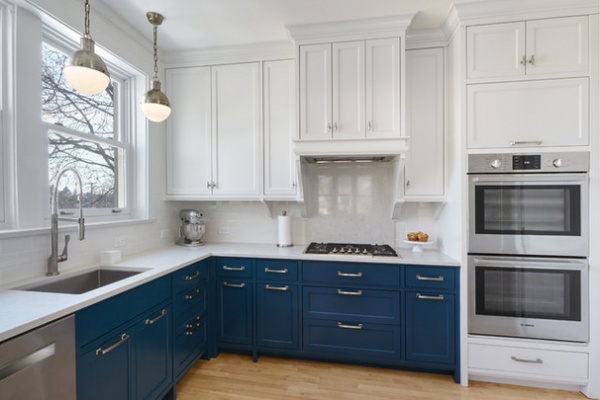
x: 155, y: 104
x: 84, y: 69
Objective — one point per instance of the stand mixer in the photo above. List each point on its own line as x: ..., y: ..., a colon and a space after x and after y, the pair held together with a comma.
x: 192, y: 229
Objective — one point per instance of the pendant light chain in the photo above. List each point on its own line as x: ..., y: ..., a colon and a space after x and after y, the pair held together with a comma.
x: 155, y: 36
x: 86, y: 31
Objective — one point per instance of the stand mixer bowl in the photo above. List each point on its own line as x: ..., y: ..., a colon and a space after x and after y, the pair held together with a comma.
x: 192, y: 229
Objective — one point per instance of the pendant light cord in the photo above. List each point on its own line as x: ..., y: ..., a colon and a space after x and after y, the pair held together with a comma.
x: 86, y: 32
x: 155, y: 35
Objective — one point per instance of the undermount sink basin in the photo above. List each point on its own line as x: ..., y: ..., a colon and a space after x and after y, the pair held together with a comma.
x: 82, y: 282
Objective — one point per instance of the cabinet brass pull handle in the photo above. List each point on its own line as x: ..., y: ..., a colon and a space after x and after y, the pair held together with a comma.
x: 234, y: 285
x: 347, y: 293
x: 155, y: 320
x: 430, y: 278
x: 194, y: 294
x: 525, y: 142
x: 424, y: 297
x: 101, y: 351
x: 345, y: 326
x: 192, y: 277
x: 276, y: 271
x: 226, y: 268
x: 350, y: 275
x: 281, y: 288
x: 523, y: 360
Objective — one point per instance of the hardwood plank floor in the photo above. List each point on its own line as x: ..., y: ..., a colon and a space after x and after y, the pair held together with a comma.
x: 236, y: 377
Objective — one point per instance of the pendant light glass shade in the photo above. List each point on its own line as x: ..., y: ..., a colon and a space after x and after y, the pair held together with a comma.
x: 155, y: 104
x: 84, y: 69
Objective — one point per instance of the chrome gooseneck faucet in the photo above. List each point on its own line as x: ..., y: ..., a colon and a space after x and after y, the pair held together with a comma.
x: 55, y: 258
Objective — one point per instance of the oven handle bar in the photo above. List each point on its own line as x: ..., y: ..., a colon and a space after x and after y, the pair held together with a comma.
x: 532, y: 178
x: 571, y: 264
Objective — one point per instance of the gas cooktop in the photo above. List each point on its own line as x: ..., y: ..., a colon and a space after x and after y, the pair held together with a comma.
x: 376, y: 250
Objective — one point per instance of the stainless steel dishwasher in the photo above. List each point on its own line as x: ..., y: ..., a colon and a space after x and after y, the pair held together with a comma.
x: 40, y: 364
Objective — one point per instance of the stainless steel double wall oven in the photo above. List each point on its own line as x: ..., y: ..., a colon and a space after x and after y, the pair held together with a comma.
x: 528, y: 245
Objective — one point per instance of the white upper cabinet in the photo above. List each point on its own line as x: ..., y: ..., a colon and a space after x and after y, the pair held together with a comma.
x: 424, y: 167
x: 189, y: 131
x: 537, y: 48
x: 534, y: 113
x: 279, y: 127
x: 350, y: 90
x: 315, y: 91
x: 236, y: 130
x: 213, y: 133
x: 383, y: 87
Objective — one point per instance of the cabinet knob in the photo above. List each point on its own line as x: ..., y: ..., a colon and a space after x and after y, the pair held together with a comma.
x: 523, y: 60
x: 369, y: 126
x: 329, y: 127
x: 531, y: 60
x: 335, y: 126
x: 408, y: 184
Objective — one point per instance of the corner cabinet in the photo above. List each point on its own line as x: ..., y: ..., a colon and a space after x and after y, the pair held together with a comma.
x: 213, y: 136
x: 350, y: 89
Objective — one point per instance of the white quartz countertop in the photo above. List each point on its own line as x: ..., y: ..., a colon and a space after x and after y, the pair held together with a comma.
x: 21, y: 311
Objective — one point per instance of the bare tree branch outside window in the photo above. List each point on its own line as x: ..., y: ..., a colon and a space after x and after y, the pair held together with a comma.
x: 86, y: 118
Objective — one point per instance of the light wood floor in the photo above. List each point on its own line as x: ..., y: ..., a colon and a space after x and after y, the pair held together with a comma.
x: 231, y: 376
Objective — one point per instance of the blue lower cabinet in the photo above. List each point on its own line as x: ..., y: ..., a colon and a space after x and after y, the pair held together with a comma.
x: 153, y: 356
x: 104, y: 369
x: 431, y: 327
x: 133, y: 362
x: 351, y: 340
x: 277, y: 319
x: 235, y: 314
x: 189, y: 343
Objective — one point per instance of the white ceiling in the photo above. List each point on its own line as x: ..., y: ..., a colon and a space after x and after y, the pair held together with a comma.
x: 197, y: 24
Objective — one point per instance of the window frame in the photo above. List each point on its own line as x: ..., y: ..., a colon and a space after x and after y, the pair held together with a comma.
x: 124, y: 108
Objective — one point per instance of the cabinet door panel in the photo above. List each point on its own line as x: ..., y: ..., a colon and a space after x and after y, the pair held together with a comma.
x: 234, y: 308
x: 236, y: 129
x: 279, y: 104
x: 557, y: 45
x: 106, y: 376
x: 189, y: 131
x: 495, y: 50
x: 383, y: 87
x: 277, y: 316
x: 424, y: 166
x: 153, y: 356
x: 348, y: 89
x: 543, y: 113
x: 315, y: 92
x: 430, y: 325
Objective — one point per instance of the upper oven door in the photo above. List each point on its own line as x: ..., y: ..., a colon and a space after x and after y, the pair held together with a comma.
x: 529, y: 214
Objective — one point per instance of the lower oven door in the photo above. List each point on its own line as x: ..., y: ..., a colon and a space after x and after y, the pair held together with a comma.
x: 539, y: 298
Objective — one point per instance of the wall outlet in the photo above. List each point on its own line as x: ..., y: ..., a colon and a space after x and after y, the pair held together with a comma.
x: 119, y: 241
x: 165, y: 233
x: 223, y: 231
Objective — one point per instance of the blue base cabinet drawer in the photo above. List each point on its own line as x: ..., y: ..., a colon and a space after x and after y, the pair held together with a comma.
x: 189, y: 277
x: 430, y: 278
x: 351, y: 273
x: 352, y: 340
x: 228, y: 267
x: 364, y: 305
x: 276, y: 270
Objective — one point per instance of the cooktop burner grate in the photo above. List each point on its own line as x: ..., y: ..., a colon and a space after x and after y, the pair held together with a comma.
x: 376, y: 250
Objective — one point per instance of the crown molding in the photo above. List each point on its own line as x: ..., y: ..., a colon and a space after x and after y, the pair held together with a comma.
x: 479, y: 12
x: 423, y: 38
x: 367, y: 28
x: 280, y: 50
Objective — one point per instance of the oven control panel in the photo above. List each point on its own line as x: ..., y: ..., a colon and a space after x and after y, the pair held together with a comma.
x: 528, y: 163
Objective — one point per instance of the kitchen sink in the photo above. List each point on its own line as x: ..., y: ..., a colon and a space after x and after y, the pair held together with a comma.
x: 82, y: 282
